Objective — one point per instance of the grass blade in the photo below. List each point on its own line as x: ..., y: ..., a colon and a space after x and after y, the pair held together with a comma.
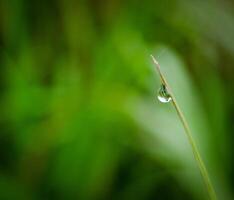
x: 197, y: 156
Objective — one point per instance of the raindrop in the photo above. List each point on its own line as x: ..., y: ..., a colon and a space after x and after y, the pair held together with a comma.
x: 163, y: 95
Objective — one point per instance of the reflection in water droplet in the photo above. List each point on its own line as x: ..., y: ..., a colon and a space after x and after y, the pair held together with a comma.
x: 163, y: 95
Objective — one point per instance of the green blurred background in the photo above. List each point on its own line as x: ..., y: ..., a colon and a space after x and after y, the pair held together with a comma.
x: 79, y: 115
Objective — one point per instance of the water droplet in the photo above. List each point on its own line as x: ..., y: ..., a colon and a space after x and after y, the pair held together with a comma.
x: 163, y: 95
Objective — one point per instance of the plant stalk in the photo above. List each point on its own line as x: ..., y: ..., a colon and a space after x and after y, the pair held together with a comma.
x: 197, y: 156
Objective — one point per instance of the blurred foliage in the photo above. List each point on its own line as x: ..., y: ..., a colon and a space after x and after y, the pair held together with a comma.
x: 79, y: 117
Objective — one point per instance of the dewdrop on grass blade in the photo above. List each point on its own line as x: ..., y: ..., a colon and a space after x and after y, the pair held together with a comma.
x: 165, y: 95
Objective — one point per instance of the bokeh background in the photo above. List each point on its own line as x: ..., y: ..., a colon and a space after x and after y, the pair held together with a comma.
x: 79, y: 115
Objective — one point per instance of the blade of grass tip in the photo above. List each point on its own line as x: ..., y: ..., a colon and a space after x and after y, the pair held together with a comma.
x: 195, y: 151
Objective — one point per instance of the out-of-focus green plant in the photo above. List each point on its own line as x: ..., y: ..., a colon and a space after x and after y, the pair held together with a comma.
x: 79, y: 117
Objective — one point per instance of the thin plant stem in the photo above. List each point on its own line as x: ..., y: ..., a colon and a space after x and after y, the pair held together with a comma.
x: 188, y: 133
